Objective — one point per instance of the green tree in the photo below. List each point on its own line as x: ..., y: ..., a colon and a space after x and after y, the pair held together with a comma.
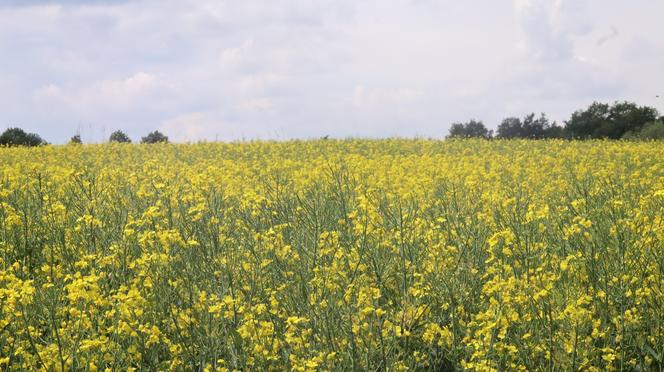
x: 471, y: 129
x: 587, y: 123
x: 510, y: 128
x: 530, y: 127
x: 601, y: 120
x: 155, y: 137
x: 555, y: 131
x: 535, y: 127
x: 18, y: 137
x: 119, y: 136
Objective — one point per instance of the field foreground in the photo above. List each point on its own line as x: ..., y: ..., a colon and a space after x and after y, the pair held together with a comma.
x: 333, y: 255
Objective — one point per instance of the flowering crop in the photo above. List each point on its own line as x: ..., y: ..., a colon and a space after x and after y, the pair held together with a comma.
x: 333, y: 255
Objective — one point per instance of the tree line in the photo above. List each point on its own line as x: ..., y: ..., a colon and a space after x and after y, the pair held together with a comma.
x: 620, y: 120
x: 18, y: 137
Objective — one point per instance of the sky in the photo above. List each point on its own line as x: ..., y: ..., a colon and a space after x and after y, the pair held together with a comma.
x: 280, y: 69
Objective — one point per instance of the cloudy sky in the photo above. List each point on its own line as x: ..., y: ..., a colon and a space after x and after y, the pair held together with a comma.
x: 279, y: 69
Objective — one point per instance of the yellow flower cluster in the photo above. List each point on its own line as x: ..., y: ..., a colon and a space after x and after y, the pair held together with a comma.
x: 333, y: 255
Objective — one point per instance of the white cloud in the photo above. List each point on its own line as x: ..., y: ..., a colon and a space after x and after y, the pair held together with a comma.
x: 363, y: 96
x: 230, y: 58
x: 257, y: 104
x: 121, y: 94
x: 233, y: 69
x: 194, y: 126
x: 260, y: 83
x: 211, y: 125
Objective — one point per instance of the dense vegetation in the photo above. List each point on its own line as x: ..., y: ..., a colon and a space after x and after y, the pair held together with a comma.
x: 154, y: 137
x: 120, y: 137
x: 18, y: 137
x: 620, y: 120
x: 650, y: 131
x: 333, y: 255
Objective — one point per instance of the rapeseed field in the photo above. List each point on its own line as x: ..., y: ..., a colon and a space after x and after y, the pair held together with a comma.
x: 333, y: 255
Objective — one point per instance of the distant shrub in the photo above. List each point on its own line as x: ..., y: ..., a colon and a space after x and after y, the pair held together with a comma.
x: 471, y: 129
x: 75, y: 140
x: 155, y: 137
x: 119, y: 136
